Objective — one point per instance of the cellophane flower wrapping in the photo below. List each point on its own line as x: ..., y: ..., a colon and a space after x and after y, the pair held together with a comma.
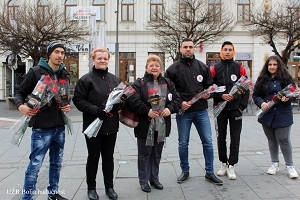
x: 157, y: 98
x: 113, y: 98
x: 288, y: 91
x: 238, y: 89
x: 40, y: 96
x: 63, y: 98
x: 211, y: 89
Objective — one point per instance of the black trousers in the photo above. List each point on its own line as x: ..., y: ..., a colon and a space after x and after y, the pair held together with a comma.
x: 148, y: 160
x: 235, y: 126
x: 105, y: 145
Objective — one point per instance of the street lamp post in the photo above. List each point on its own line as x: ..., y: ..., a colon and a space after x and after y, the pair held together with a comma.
x: 117, y: 42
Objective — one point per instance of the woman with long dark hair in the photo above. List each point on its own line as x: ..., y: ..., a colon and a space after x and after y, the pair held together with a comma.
x: 277, y: 121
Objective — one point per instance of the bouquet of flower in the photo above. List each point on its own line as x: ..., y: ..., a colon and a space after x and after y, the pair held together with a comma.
x: 211, y: 89
x: 121, y: 91
x: 239, y: 88
x: 288, y: 91
x: 63, y: 99
x: 128, y: 91
x: 40, y: 96
x: 157, y: 103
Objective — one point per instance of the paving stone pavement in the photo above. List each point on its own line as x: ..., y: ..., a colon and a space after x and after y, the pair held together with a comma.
x: 252, y: 181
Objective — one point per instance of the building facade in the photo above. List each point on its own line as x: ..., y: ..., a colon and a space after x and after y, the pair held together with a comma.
x: 124, y: 32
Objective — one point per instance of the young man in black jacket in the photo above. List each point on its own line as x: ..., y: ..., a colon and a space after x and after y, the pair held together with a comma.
x: 48, y: 127
x: 191, y: 76
x: 227, y: 72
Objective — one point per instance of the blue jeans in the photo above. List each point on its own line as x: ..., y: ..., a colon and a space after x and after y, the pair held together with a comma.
x: 42, y: 140
x: 201, y: 121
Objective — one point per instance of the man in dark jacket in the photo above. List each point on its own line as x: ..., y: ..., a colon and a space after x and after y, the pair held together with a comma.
x: 226, y: 73
x: 190, y: 77
x: 48, y: 130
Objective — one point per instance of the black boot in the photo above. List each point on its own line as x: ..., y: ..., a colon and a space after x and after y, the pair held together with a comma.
x: 92, y: 194
x: 212, y: 178
x: 110, y: 192
x: 183, y: 177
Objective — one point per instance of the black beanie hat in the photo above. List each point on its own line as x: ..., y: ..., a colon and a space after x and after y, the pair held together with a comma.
x: 52, y: 46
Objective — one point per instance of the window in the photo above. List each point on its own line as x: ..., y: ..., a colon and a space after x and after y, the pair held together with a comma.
x: 184, y: 11
x: 43, y: 7
x: 101, y: 5
x: 13, y: 7
x: 243, y: 10
x: 127, y: 10
x: 156, y: 8
x: 212, y: 58
x: 214, y: 8
x: 69, y: 4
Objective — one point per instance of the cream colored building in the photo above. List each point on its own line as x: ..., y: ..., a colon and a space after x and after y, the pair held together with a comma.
x: 135, y: 42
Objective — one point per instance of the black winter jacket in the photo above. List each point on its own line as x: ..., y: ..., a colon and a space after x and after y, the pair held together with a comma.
x: 90, y: 95
x: 138, y: 102
x: 190, y: 77
x: 49, y: 115
x: 227, y: 73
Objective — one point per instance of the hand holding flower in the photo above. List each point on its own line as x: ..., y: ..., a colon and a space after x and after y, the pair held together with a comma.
x: 153, y: 113
x: 166, y: 112
x: 66, y: 108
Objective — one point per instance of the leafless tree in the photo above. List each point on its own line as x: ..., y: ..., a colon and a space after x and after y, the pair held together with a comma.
x: 278, y: 26
x: 29, y: 31
x: 194, y: 19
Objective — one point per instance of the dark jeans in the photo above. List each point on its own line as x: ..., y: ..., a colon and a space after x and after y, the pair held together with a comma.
x: 103, y: 144
x: 235, y: 126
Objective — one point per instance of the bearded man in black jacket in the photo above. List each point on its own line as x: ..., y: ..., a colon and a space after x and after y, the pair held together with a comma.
x: 190, y: 77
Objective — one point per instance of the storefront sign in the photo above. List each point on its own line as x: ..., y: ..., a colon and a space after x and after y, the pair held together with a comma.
x: 243, y: 56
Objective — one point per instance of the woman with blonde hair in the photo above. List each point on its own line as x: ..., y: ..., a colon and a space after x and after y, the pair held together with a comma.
x: 90, y: 96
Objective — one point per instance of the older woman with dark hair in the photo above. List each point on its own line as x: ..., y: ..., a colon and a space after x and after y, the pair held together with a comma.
x: 149, y: 155
x: 277, y: 121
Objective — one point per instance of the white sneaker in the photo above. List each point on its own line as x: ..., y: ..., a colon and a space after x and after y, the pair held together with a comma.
x: 223, y: 170
x: 273, y: 169
x: 292, y: 171
x: 230, y: 173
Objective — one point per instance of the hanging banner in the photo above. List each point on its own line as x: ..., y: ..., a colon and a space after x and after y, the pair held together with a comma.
x: 84, y: 12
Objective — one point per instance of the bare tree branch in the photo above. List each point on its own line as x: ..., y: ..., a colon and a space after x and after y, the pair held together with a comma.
x: 33, y: 28
x: 199, y: 24
x: 278, y: 27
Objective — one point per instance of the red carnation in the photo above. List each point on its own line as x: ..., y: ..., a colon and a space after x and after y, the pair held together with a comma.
x: 292, y: 88
x: 151, y: 91
x: 62, y: 81
x: 47, y: 81
x: 54, y: 89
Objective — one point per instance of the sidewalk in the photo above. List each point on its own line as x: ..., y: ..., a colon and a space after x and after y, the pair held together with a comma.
x: 252, y: 181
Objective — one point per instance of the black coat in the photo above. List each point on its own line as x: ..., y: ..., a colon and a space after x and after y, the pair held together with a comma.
x: 49, y: 115
x: 90, y: 95
x: 138, y: 102
x: 190, y: 77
